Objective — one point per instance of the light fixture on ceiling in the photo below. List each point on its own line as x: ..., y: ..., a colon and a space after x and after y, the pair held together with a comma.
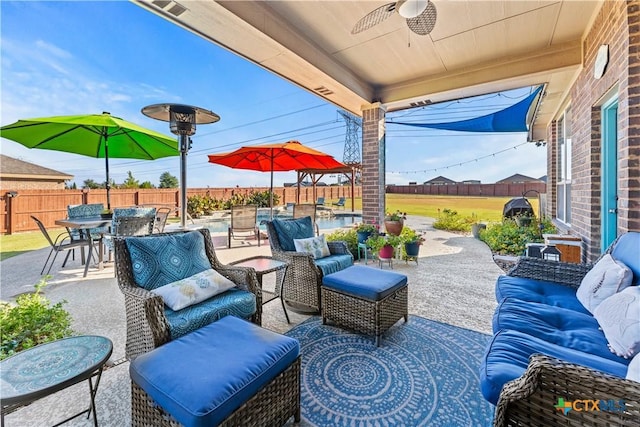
x: 411, y: 8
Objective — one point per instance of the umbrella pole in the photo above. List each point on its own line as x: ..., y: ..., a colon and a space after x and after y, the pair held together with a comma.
x: 106, y: 162
x: 271, y: 190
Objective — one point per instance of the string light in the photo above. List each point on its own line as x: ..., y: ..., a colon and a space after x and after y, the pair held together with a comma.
x: 460, y: 164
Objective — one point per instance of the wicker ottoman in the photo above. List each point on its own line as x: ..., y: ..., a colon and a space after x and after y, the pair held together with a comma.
x: 228, y: 373
x: 368, y: 300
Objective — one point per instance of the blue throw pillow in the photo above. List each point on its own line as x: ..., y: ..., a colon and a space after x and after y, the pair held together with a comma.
x: 289, y: 229
x: 159, y: 260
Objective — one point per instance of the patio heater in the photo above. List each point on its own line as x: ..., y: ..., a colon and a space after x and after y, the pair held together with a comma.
x: 182, y: 122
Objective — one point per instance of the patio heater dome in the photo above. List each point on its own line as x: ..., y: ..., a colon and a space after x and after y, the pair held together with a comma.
x: 182, y: 122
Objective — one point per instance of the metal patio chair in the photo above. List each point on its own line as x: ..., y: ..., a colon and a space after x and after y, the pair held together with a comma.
x: 63, y: 242
x: 244, y: 219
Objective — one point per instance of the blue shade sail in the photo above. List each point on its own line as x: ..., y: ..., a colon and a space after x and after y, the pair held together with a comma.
x: 511, y: 119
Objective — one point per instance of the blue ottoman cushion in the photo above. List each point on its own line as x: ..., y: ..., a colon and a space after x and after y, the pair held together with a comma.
x: 507, y: 358
x: 203, y: 377
x: 365, y: 282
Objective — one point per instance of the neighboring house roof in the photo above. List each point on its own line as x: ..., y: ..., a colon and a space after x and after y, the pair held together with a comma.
x: 517, y: 178
x: 15, y: 168
x: 440, y: 180
x: 543, y: 178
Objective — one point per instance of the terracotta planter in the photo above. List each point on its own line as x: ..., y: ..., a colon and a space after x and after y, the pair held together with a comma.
x: 386, y: 252
x: 393, y: 227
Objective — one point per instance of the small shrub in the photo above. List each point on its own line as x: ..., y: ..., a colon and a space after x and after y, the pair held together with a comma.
x: 348, y: 236
x: 449, y: 220
x: 507, y: 238
x: 32, y: 320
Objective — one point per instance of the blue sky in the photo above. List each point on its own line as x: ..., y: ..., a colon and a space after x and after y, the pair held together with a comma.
x: 63, y: 58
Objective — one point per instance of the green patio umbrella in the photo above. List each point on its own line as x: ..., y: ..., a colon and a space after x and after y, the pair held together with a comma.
x: 92, y: 135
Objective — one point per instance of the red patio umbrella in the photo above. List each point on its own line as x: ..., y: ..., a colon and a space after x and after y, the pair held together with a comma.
x: 287, y: 156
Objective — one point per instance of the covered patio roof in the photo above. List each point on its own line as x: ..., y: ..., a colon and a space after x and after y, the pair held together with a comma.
x: 476, y: 47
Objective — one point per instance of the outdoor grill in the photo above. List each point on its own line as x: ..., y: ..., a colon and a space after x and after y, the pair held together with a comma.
x: 519, y: 206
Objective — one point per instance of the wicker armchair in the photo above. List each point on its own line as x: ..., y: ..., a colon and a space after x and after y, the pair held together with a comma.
x: 303, y: 277
x: 147, y: 325
x: 530, y: 399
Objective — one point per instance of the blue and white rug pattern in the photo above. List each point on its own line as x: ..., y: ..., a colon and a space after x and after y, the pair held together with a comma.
x: 424, y: 373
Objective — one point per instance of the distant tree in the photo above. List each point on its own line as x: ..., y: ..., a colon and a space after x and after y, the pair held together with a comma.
x: 168, y: 181
x: 147, y: 184
x: 89, y: 183
x: 69, y: 185
x: 130, y: 182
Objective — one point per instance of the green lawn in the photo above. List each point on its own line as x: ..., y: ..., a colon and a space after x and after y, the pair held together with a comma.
x: 20, y: 243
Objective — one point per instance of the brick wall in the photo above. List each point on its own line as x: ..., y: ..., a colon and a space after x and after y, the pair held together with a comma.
x: 617, y: 25
x: 373, y: 164
x: 30, y: 184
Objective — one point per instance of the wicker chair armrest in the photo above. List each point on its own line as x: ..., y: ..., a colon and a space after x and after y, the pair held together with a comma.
x: 338, y: 247
x: 245, y: 278
x: 530, y: 399
x: 145, y: 314
x: 564, y: 273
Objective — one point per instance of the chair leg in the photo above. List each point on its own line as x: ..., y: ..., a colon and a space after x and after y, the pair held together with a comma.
x: 66, y: 258
x: 229, y: 238
x: 52, y: 261
x: 46, y: 262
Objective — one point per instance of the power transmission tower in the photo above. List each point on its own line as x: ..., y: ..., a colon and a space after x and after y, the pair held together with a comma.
x: 351, y: 154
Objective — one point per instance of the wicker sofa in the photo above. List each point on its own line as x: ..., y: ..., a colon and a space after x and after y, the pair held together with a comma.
x: 547, y: 346
x: 303, y: 277
x: 149, y: 322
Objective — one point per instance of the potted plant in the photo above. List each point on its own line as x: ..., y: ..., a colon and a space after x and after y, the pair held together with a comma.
x: 412, y: 241
x: 383, y: 245
x: 393, y: 222
x: 364, y: 230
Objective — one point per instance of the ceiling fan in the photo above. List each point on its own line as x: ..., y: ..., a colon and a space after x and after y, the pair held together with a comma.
x: 420, y: 15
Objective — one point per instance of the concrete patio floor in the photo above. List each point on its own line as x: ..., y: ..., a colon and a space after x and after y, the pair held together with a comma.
x: 453, y: 282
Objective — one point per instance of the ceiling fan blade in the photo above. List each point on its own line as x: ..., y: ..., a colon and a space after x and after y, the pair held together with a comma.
x: 374, y: 17
x: 424, y: 23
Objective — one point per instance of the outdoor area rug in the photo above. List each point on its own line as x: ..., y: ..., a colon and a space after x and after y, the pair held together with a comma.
x: 424, y: 373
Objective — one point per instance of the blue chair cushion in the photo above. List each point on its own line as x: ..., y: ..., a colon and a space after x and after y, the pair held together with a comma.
x: 365, y: 282
x: 549, y: 293
x: 561, y: 326
x: 507, y: 358
x: 289, y: 229
x: 158, y: 260
x: 334, y: 263
x: 203, y: 377
x: 91, y: 210
x: 234, y: 302
x: 626, y: 251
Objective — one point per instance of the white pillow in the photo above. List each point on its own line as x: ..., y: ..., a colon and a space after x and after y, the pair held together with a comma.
x: 619, y: 318
x: 192, y: 290
x: 316, y: 246
x: 633, y: 373
x: 606, y: 278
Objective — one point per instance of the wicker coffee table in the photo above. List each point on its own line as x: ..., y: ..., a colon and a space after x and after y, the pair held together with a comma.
x: 368, y: 300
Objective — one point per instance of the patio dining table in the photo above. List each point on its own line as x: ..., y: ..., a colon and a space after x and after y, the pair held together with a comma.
x: 85, y: 225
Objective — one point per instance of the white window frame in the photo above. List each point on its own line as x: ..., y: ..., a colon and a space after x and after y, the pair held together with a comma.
x: 563, y: 167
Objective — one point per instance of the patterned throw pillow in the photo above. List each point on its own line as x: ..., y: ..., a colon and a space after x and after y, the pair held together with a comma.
x: 194, y: 289
x: 316, y: 246
x: 606, y: 278
x: 289, y: 229
x: 158, y: 260
x: 619, y: 319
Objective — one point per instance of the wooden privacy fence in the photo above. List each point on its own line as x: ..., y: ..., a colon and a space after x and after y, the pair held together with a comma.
x: 16, y: 207
x: 481, y: 190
